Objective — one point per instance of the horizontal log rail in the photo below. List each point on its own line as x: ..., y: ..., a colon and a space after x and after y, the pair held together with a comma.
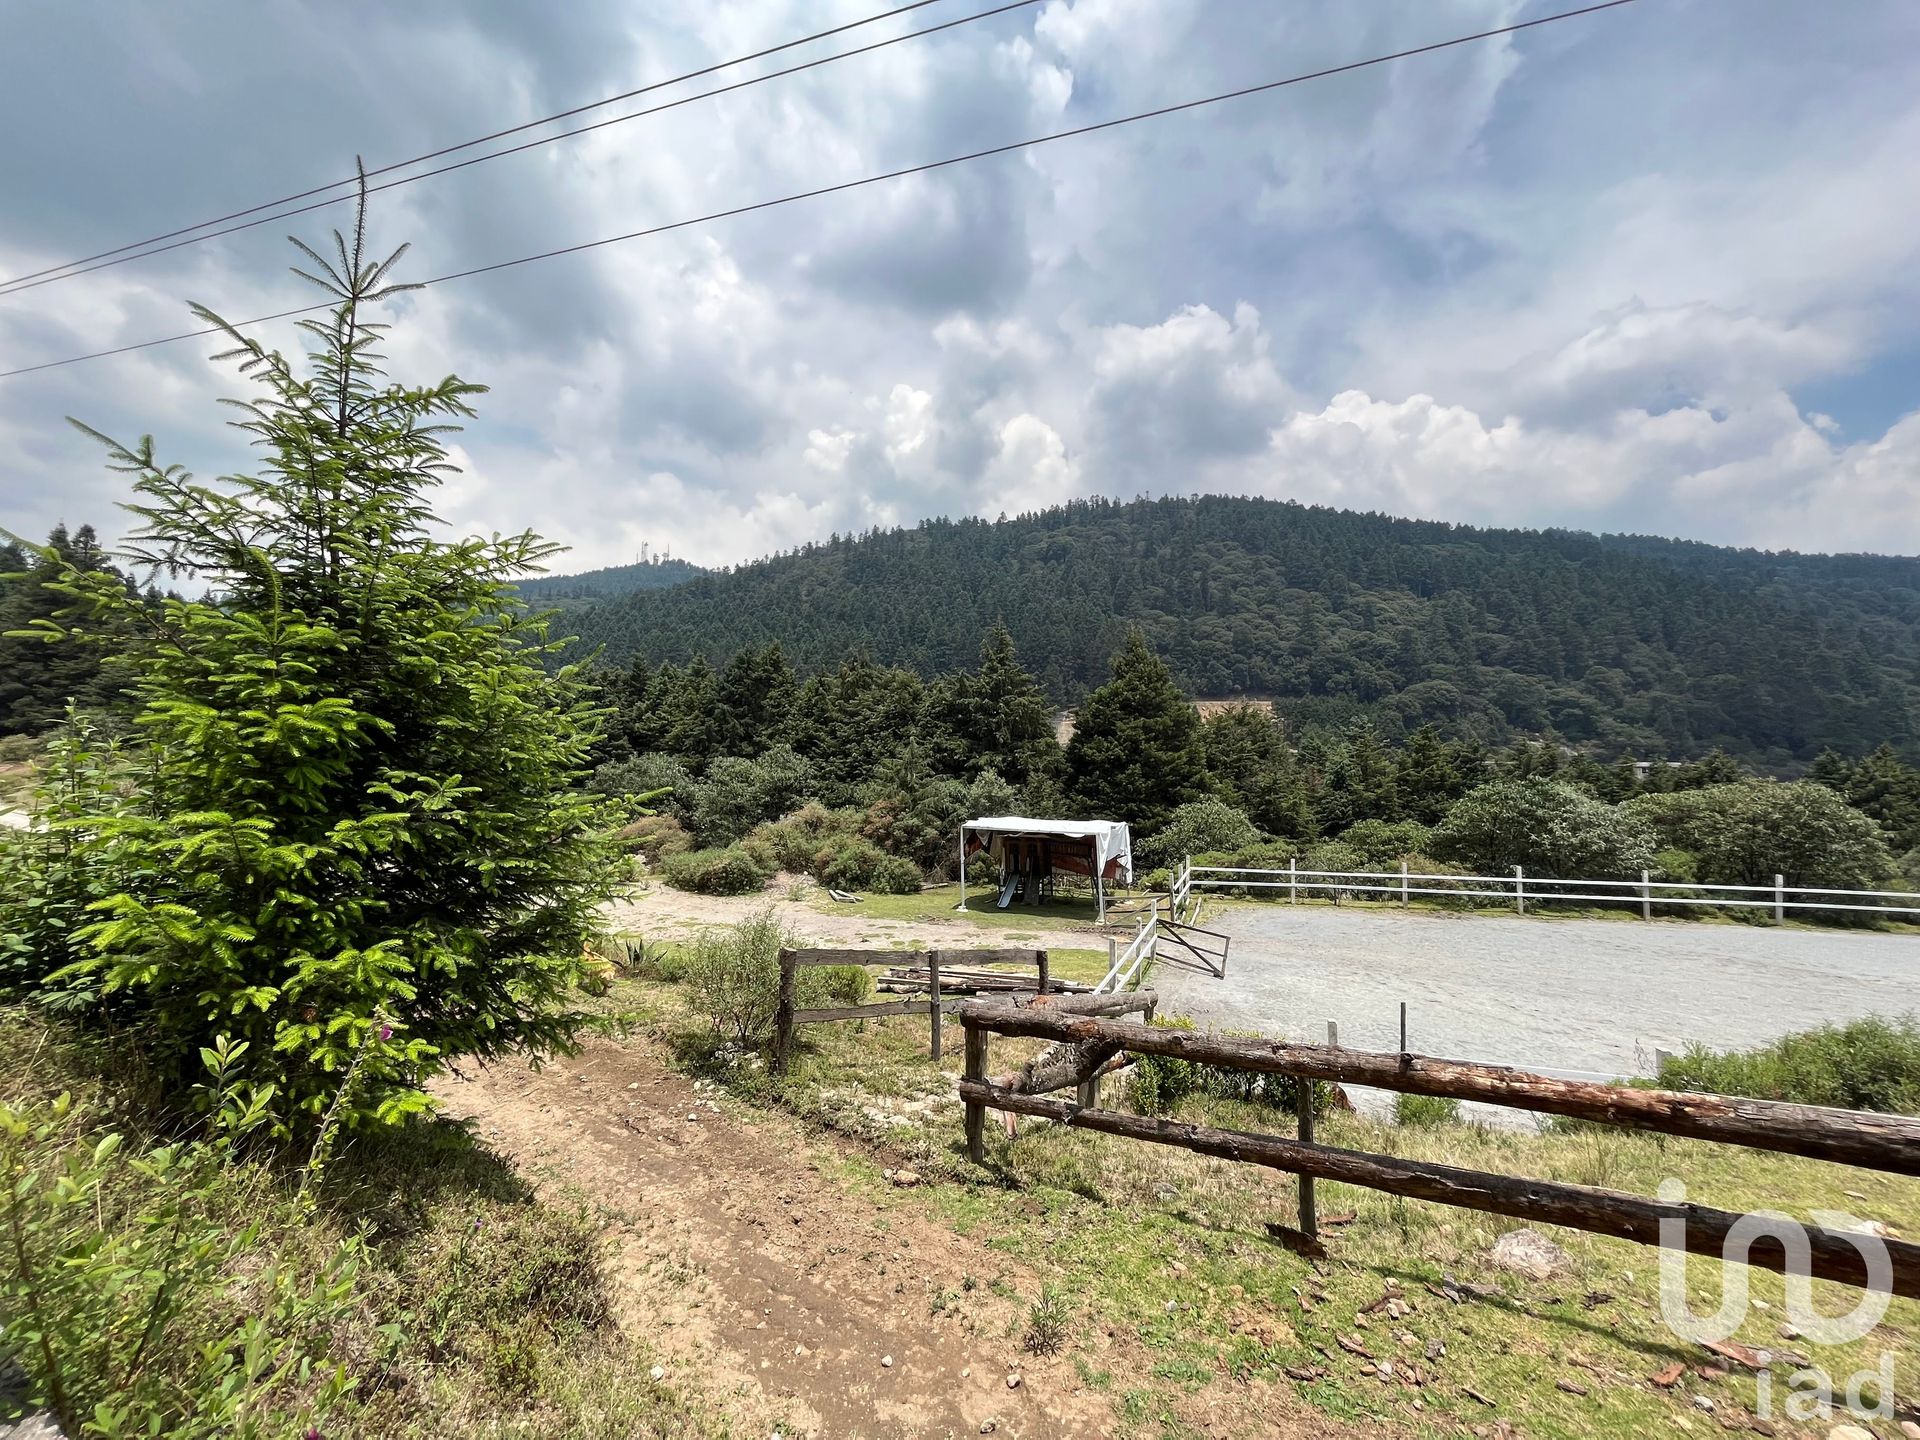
x: 1889, y: 1143
x: 1832, y: 1255
x: 788, y: 1017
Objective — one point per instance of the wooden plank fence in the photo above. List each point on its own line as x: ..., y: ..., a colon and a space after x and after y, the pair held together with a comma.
x: 787, y: 1017
x: 1889, y: 1143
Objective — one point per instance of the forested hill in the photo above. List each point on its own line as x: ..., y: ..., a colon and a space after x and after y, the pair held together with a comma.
x: 590, y: 585
x: 1627, y: 644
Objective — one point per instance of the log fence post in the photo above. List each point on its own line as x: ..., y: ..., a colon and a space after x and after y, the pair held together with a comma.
x: 1040, y: 957
x: 975, y: 1070
x: 1403, y: 883
x: 1303, y: 1107
x: 1293, y: 880
x: 933, y: 1001
x: 783, y: 1016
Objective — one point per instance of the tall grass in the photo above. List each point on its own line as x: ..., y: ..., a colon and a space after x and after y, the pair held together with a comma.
x: 1871, y: 1064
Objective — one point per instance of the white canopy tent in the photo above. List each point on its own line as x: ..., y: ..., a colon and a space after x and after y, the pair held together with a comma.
x: 1102, y: 850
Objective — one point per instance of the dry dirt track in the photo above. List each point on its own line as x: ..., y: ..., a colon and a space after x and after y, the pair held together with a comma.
x: 773, y: 1291
x: 770, y: 1290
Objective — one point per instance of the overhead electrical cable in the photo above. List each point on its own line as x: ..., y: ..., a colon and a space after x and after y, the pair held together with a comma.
x: 354, y: 180
x: 903, y: 173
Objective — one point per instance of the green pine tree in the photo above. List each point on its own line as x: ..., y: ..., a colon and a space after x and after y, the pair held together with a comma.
x: 352, y: 836
x: 1135, y: 753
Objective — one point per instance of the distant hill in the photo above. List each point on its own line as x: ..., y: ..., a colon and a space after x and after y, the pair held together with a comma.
x: 1625, y: 644
x: 592, y: 585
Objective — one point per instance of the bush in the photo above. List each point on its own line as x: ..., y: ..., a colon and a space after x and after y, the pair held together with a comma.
x: 14, y: 749
x: 731, y: 871
x: 646, y: 775
x: 1746, y: 833
x: 734, y: 975
x: 1871, y: 1064
x: 738, y: 794
x: 1159, y: 1083
x: 1200, y: 825
x: 850, y: 863
x: 1382, y: 845
x: 141, y: 1290
x: 1553, y: 830
x: 1425, y: 1112
x: 657, y: 837
x: 791, y: 842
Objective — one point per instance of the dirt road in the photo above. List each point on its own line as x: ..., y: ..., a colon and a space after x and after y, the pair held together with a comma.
x: 660, y: 913
x: 778, y: 1293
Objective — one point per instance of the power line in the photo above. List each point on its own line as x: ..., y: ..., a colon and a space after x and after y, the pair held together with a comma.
x: 480, y: 140
x: 15, y: 287
x: 845, y: 185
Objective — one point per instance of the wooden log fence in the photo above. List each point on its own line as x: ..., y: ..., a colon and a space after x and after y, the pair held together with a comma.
x: 788, y: 1016
x: 1888, y: 1143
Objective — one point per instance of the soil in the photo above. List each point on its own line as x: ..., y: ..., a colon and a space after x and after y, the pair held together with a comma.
x: 660, y: 913
x: 774, y: 1287
x: 767, y: 1286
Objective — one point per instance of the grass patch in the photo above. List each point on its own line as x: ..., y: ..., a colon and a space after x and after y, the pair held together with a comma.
x: 1168, y: 1254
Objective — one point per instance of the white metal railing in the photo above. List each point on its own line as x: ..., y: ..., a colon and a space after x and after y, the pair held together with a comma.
x: 1646, y: 892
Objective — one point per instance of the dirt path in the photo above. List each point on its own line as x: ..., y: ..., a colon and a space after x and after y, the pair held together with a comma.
x: 772, y: 1290
x: 660, y: 913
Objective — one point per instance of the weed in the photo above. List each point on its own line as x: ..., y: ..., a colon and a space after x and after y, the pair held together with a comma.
x: 1046, y: 1324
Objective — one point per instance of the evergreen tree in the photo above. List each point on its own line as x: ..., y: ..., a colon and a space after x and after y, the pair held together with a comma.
x: 753, y: 702
x: 684, y: 701
x: 353, y: 838
x: 1252, y: 769
x: 1887, y: 789
x: 1135, y: 753
x: 42, y: 668
x: 1427, y: 777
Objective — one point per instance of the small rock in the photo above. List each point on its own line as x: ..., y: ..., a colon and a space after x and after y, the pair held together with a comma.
x: 1436, y: 1349
x: 1849, y: 1432
x: 905, y: 1177
x: 692, y: 1116
x: 657, y: 1374
x: 1013, y: 1382
x: 1701, y: 1402
x: 965, y: 1371
x: 886, y: 1362
x: 1385, y: 1369
x: 801, y: 1350
x: 1529, y: 1253
x: 1788, y: 1332
x: 987, y: 1427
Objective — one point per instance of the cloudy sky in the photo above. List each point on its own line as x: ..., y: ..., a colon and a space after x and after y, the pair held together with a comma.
x: 1652, y: 269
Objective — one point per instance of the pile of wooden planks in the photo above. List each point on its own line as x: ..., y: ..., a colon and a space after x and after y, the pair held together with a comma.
x: 912, y: 980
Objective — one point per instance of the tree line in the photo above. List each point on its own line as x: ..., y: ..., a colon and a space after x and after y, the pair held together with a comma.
x: 881, y: 765
x: 1615, y: 645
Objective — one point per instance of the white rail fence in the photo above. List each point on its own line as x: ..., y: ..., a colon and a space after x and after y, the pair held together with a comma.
x: 1520, y: 889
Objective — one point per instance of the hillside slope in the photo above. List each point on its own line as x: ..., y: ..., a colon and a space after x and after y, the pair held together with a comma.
x: 1626, y: 643
x: 606, y: 584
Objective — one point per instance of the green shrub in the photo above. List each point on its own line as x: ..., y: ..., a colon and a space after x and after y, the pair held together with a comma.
x: 832, y: 985
x: 648, y: 774
x: 734, y: 976
x: 1200, y: 825
x: 792, y: 842
x: 142, y: 1291
x: 731, y: 871
x: 896, y: 876
x: 1870, y: 1064
x: 1425, y: 1112
x: 14, y: 749
x: 1382, y: 845
x: 851, y: 863
x: 1159, y: 1083
x: 657, y: 837
x: 1550, y: 828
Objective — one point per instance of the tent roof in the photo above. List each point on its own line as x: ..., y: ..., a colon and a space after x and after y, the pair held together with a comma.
x: 1023, y: 825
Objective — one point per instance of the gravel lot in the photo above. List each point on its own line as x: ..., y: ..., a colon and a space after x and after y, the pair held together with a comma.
x: 1569, y: 996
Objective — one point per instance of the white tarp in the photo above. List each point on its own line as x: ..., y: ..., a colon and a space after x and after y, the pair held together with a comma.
x: 1111, y: 840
